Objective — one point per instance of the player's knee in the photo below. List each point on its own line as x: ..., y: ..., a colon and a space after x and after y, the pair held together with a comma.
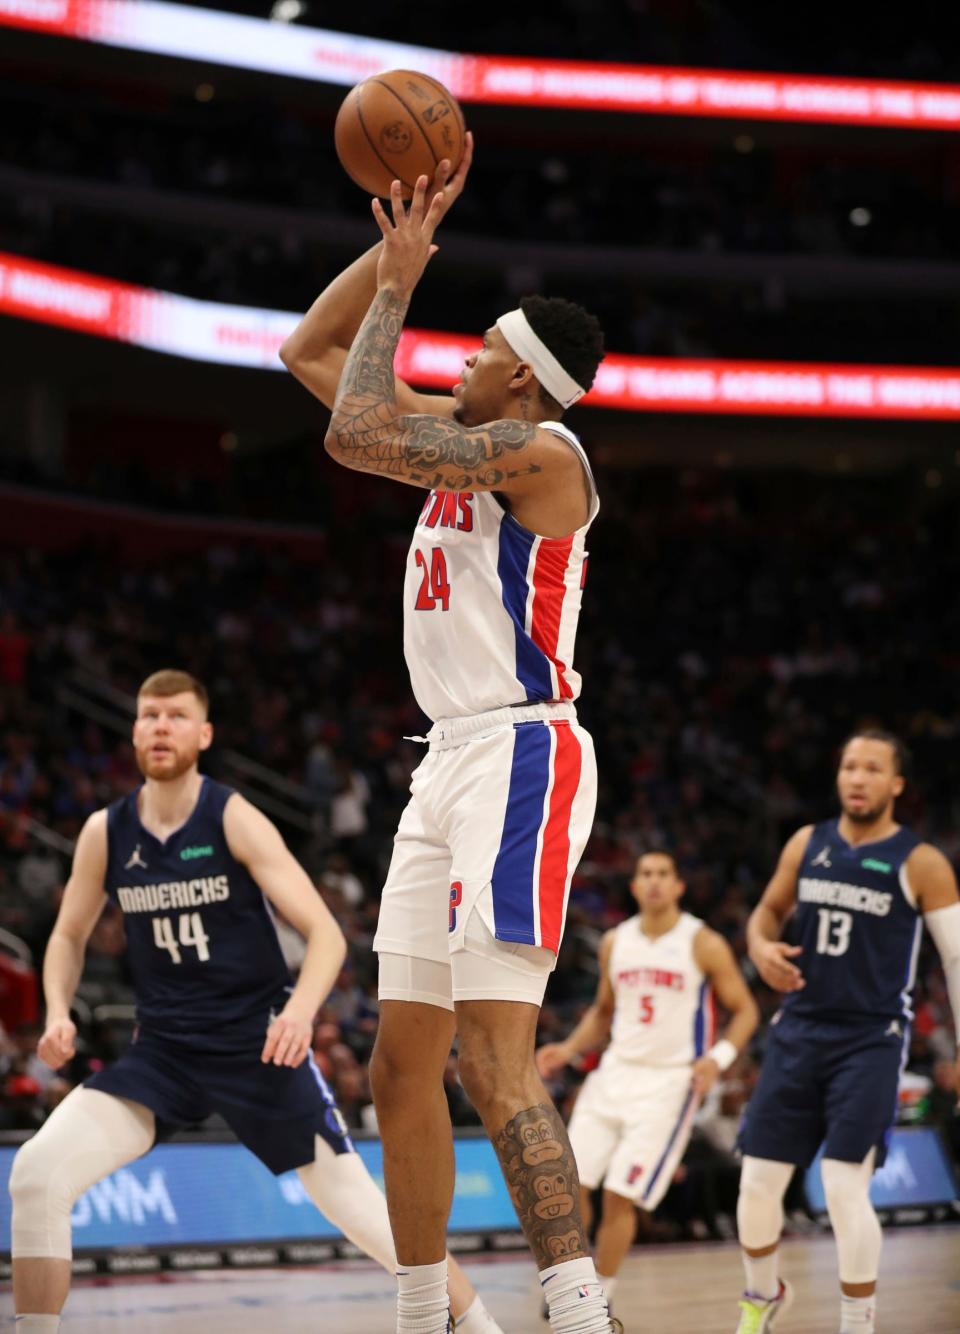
x: 32, y: 1175
x: 487, y: 1078
x: 846, y: 1187
x: 763, y: 1184
x: 617, y: 1206
x: 497, y: 1068
x: 383, y: 1073
x: 477, y: 1069
x: 42, y: 1202
x: 28, y: 1176
x: 394, y: 1072
x: 764, y: 1181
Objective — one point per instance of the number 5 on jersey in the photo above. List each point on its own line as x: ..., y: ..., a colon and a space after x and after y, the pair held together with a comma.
x: 190, y: 931
x: 434, y: 585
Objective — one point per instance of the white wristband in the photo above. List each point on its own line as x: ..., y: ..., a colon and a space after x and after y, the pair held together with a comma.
x: 723, y: 1053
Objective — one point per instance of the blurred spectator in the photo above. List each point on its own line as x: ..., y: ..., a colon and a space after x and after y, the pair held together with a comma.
x: 723, y: 663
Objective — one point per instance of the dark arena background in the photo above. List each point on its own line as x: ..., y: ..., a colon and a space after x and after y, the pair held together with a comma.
x: 762, y: 205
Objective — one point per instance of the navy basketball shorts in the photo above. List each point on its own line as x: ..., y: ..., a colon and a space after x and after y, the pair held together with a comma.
x: 274, y: 1110
x: 828, y: 1083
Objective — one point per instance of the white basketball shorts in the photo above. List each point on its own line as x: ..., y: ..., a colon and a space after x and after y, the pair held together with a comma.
x: 630, y: 1127
x: 499, y: 814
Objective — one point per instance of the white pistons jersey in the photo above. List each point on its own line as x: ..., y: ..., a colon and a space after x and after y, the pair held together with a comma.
x: 664, y: 1010
x: 491, y: 609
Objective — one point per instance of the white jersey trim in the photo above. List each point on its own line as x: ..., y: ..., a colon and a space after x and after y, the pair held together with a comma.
x: 565, y: 433
x: 906, y: 887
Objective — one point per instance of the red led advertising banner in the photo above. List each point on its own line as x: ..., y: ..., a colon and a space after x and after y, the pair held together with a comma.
x: 251, y: 336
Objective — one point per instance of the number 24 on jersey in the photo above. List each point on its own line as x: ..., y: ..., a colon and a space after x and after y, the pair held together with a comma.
x: 434, y: 584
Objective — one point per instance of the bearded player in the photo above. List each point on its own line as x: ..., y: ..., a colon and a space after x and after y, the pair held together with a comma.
x: 501, y: 807
x: 857, y: 891
x: 221, y: 1027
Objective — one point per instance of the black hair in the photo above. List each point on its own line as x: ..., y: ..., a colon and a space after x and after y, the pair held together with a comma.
x: 659, y: 852
x: 571, y: 333
x: 901, y: 755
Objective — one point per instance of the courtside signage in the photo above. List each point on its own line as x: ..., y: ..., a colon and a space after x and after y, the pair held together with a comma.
x: 251, y: 336
x: 916, y: 1173
x: 340, y: 58
x: 218, y: 1194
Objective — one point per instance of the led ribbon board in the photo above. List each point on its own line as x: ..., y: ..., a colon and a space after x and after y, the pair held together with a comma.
x: 341, y: 58
x: 251, y: 336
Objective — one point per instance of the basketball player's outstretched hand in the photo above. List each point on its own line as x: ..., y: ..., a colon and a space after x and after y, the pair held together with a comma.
x: 288, y: 1040
x: 773, y: 964
x: 58, y: 1044
x: 407, y: 240
x: 451, y: 186
x: 551, y: 1058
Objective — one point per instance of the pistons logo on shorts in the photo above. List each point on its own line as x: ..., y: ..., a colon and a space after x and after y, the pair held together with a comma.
x: 456, y: 897
x: 634, y: 1175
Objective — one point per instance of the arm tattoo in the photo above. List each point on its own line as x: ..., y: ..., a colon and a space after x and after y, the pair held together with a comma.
x: 434, y: 452
x: 541, y: 1174
x: 368, y: 372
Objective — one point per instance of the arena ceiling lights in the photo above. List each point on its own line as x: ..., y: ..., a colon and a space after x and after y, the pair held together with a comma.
x: 250, y: 336
x: 339, y: 58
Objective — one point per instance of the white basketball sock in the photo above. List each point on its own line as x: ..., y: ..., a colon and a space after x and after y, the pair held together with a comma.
x: 575, y: 1299
x: 476, y: 1319
x: 608, y: 1282
x: 36, y: 1324
x: 857, y: 1314
x: 423, y: 1306
x: 761, y: 1272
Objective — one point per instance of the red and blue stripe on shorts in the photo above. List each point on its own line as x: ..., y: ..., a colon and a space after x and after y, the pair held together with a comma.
x: 532, y: 871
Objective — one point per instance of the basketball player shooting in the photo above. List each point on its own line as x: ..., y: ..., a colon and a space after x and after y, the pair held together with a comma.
x: 659, y: 973
x: 857, y: 891
x: 221, y: 1027
x: 474, y: 904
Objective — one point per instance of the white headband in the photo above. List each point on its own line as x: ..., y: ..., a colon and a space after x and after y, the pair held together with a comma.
x: 515, y: 328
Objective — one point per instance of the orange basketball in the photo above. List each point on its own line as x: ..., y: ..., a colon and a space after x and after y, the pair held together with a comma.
x: 397, y: 126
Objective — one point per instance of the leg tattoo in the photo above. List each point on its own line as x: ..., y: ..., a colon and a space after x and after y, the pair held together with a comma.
x: 541, y: 1174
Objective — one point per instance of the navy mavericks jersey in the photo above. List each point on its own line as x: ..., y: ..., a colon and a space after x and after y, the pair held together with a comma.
x: 202, y: 945
x: 858, y: 926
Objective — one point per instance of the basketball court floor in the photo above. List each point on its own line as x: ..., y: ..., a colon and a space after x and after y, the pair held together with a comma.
x: 689, y: 1289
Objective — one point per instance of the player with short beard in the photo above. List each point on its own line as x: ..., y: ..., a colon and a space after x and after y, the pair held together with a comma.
x: 475, y: 900
x: 221, y: 1027
x: 856, y: 892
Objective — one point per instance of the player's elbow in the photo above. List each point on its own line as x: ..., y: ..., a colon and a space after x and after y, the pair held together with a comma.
x: 334, y: 443
x: 332, y: 937
x: 341, y: 444
x: 749, y: 1013
x: 70, y: 937
x: 293, y: 357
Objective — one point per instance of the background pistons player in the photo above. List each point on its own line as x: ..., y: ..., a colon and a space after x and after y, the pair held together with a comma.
x: 659, y: 973
x: 501, y: 808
